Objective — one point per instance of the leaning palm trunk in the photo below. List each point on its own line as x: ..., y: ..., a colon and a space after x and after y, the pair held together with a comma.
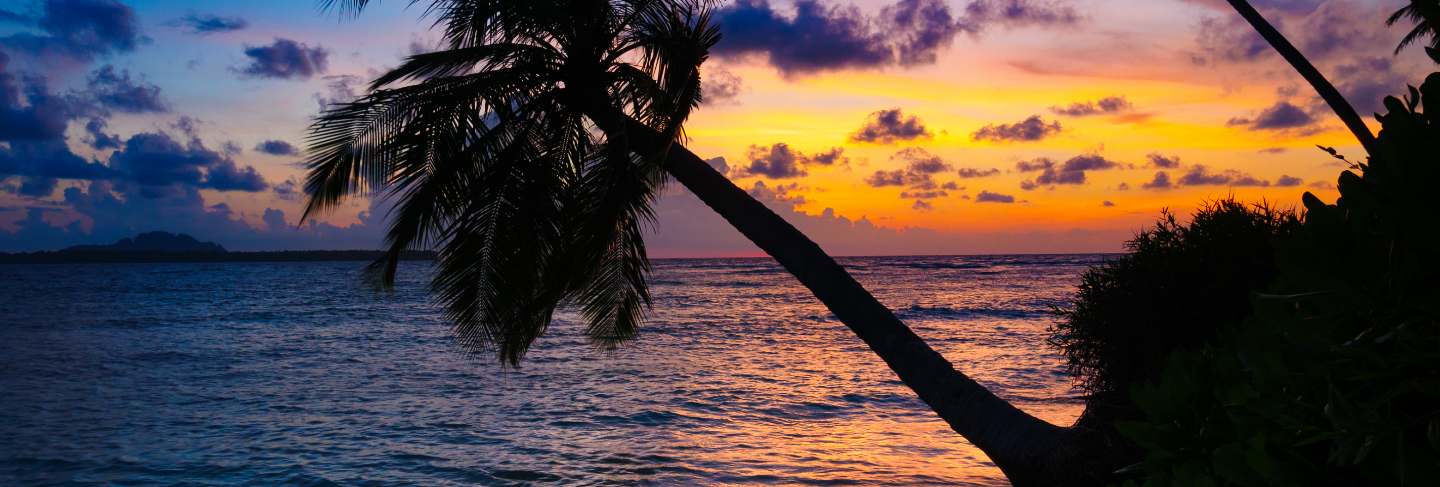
x: 491, y: 153
x: 1327, y: 91
x: 1028, y: 450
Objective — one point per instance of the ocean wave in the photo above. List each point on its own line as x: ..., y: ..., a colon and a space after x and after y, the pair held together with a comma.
x: 919, y: 311
x: 939, y: 265
x: 245, y: 375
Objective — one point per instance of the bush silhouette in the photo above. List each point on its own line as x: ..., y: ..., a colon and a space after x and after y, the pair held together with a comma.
x: 1335, y: 377
x: 1174, y: 290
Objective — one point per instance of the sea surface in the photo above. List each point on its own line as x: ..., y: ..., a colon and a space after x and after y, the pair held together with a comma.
x: 298, y: 374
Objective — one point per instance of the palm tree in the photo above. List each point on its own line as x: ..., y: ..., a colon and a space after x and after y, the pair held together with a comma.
x: 1426, y: 16
x: 528, y: 151
x: 1327, y: 91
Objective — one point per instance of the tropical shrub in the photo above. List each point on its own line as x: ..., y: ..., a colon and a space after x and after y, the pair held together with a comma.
x: 1173, y: 290
x: 1335, y: 378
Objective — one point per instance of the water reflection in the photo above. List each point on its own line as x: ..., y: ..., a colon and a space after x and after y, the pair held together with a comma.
x: 293, y: 373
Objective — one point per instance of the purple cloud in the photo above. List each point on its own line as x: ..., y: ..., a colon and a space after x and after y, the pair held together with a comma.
x: 779, y: 161
x: 285, y: 59
x: 1103, y: 106
x: 890, y: 126
x: 1029, y: 130
x: 988, y: 197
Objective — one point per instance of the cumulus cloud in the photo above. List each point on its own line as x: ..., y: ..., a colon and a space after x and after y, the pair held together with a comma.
x: 970, y: 172
x: 821, y: 37
x: 277, y: 148
x: 920, y: 161
x: 1228, y: 39
x: 919, y: 29
x: 77, y: 31
x: 1031, y: 129
x: 1163, y: 161
x: 718, y: 86
x: 1341, y: 36
x: 32, y: 133
x: 1331, y: 29
x: 1283, y: 115
x: 152, y: 160
x: 285, y: 59
x: 29, y: 111
x: 920, y: 169
x: 890, y: 126
x: 338, y: 89
x: 817, y: 38
x: 980, y: 13
x: 289, y: 190
x: 719, y: 164
x: 48, y: 159
x: 881, y: 179
x: 922, y: 205
x: 1286, y: 181
x: 989, y: 197
x: 1107, y: 203
x: 1160, y: 181
x: 1366, y: 80
x: 99, y: 140
x: 1037, y: 164
x: 926, y: 194
x: 779, y: 161
x: 160, y: 163
x: 1103, y: 106
x: 1199, y: 175
x: 203, y: 24
x: 114, y: 90
x: 225, y: 175
x: 1072, y: 172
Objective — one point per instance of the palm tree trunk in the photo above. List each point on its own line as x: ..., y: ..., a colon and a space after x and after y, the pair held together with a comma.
x: 1322, y: 86
x: 1028, y: 450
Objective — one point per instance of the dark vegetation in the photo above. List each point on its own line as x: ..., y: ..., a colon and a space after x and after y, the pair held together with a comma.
x: 1173, y: 291
x: 1249, y: 348
x: 168, y: 247
x: 152, y: 242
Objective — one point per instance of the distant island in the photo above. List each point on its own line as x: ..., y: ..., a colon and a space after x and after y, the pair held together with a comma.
x: 170, y: 247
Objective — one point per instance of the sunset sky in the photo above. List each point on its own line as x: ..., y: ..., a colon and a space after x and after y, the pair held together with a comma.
x: 876, y: 126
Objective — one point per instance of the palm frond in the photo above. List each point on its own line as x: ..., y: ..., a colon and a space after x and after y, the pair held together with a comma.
x: 489, y: 155
x: 455, y: 62
x: 1425, y: 14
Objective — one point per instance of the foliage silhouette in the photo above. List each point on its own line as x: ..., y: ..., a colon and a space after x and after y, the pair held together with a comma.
x: 1333, y: 380
x: 1174, y: 289
x: 1426, y: 16
x: 489, y: 158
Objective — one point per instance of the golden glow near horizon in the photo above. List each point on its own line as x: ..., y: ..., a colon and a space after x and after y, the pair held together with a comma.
x: 1185, y: 120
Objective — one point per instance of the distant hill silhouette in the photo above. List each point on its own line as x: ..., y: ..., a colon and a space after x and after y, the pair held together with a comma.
x: 170, y: 247
x: 152, y: 242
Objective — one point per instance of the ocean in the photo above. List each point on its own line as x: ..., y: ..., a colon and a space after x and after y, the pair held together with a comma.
x: 298, y: 374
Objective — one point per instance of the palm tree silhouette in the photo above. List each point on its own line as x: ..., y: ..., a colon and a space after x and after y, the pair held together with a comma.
x: 1327, y: 91
x: 528, y: 151
x: 1426, y: 16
